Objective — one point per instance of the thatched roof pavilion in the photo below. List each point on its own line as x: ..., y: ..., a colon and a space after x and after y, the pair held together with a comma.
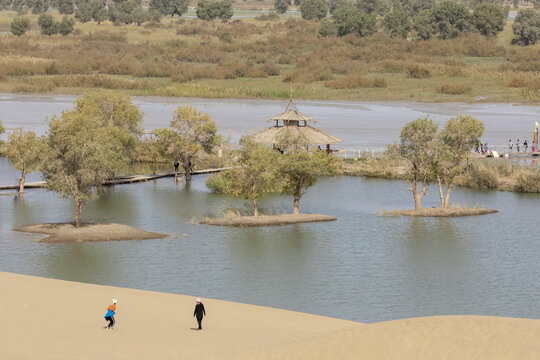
x: 293, y: 120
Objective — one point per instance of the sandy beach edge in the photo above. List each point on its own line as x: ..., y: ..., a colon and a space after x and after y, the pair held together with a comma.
x: 56, y: 319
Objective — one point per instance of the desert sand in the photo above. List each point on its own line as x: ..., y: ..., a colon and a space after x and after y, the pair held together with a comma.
x: 268, y: 220
x: 88, y: 232
x: 53, y: 319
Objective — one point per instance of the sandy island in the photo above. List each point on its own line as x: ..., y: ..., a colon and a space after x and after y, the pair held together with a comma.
x: 53, y: 319
x: 88, y: 232
x: 268, y: 220
x: 438, y: 212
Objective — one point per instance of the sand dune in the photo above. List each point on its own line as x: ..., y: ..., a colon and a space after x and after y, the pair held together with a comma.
x: 52, y: 319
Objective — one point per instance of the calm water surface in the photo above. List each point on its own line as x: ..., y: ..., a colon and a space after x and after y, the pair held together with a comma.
x: 363, y: 267
x: 360, y: 125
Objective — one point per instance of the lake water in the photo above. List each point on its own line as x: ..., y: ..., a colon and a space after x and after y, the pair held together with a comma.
x: 363, y: 267
x: 360, y: 125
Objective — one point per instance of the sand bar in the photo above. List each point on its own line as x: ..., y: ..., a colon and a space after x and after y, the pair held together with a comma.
x: 268, y: 220
x: 88, y: 232
x: 54, y: 319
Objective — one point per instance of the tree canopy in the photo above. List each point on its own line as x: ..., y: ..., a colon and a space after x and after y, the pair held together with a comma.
x: 20, y: 25
x: 526, y: 27
x: 190, y: 131
x: 489, y: 19
x: 213, y: 9
x: 313, y: 9
x: 26, y: 151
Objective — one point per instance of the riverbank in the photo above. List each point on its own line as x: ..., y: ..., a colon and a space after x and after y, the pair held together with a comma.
x: 54, y: 319
x: 268, y: 220
x: 88, y: 232
x: 228, y: 60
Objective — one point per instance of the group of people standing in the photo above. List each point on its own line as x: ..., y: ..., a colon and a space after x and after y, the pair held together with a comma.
x: 518, y: 146
x: 199, y: 313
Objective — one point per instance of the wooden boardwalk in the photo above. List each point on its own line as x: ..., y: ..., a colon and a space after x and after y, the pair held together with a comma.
x: 122, y: 179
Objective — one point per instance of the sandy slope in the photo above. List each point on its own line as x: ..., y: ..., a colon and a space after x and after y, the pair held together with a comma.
x: 51, y: 319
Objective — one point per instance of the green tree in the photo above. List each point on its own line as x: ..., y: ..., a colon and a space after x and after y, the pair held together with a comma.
x: 456, y: 140
x: 117, y: 112
x: 452, y: 19
x: 39, y: 6
x: 82, y: 153
x: 526, y: 27
x: 377, y: 7
x: 84, y: 13
x: 122, y: 12
x: 47, y: 24
x: 489, y: 19
x: 313, y: 9
x: 349, y: 20
x: 255, y: 175
x: 397, y: 23
x: 424, y: 25
x: 417, y: 146
x: 170, y: 7
x: 190, y: 132
x: 139, y: 15
x: 65, y: 27
x: 413, y: 7
x: 298, y: 169
x: 334, y: 4
x: 66, y: 7
x: 26, y: 151
x: 20, y: 25
x: 100, y: 14
x: 327, y: 28
x: 213, y: 9
x: 281, y: 6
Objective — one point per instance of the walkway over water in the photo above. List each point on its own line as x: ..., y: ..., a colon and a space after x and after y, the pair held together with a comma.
x: 123, y: 179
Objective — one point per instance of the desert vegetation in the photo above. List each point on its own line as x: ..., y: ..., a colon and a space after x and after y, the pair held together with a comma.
x: 357, y: 52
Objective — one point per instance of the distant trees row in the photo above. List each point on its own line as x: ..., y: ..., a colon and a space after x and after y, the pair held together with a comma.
x: 445, y: 20
x: 121, y: 11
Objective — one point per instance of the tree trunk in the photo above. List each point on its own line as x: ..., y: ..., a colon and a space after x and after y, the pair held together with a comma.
x: 187, y: 172
x: 255, y: 211
x: 448, y: 191
x: 418, y: 196
x: 440, y: 192
x: 23, y: 179
x: 296, y: 204
x: 77, y: 211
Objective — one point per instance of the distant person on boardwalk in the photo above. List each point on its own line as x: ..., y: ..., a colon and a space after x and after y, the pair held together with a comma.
x: 199, y: 312
x: 525, y: 145
x: 109, y: 316
x: 510, y: 145
x: 517, y: 145
x: 176, y: 165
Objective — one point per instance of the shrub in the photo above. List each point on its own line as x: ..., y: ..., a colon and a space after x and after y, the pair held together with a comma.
x: 327, y: 28
x: 271, y: 16
x: 355, y: 81
x: 481, y: 176
x: 270, y: 69
x: 516, y: 82
x: 528, y: 182
x: 416, y: 71
x: 47, y: 24
x: 489, y: 19
x: 455, y: 89
x: 20, y: 25
x: 65, y: 27
x: 281, y: 6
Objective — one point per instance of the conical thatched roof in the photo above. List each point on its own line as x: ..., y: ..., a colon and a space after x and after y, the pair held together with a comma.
x: 314, y: 136
x: 292, y: 114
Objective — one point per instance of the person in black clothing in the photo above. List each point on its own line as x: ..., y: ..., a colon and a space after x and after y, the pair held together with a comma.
x: 176, y: 165
x: 199, y: 312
